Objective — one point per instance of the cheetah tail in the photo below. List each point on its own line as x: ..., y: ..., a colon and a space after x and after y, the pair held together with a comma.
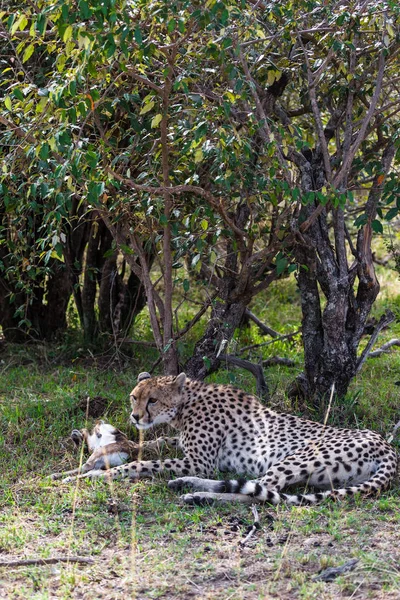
x: 379, y: 481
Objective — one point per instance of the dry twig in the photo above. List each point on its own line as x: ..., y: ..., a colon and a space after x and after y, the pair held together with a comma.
x: 46, y: 561
x: 255, y: 527
x: 384, y: 348
x: 384, y: 321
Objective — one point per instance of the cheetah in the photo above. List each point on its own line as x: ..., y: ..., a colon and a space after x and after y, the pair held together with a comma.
x: 225, y: 429
x: 109, y: 447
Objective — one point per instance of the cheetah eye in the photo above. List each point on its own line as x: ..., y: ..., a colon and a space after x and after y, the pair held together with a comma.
x: 152, y: 400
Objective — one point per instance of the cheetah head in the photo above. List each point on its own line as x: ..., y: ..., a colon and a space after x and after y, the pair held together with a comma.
x: 155, y: 400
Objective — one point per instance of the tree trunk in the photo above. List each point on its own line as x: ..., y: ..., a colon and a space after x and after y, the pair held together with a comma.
x: 44, y: 308
x: 225, y: 318
x: 331, y: 336
x: 119, y: 301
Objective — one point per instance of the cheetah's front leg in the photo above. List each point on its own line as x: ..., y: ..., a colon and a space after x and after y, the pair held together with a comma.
x: 144, y: 468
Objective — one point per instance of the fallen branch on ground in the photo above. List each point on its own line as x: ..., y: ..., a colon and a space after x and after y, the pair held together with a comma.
x: 384, y: 348
x: 46, y: 561
x: 332, y: 572
x: 384, y: 321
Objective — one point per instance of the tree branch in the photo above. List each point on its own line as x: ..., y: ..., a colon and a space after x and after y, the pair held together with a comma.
x: 384, y: 348
x: 347, y: 161
x: 264, y: 328
x: 384, y: 321
x: 214, y: 201
x: 317, y: 114
x: 255, y: 369
x: 265, y: 130
x: 288, y: 336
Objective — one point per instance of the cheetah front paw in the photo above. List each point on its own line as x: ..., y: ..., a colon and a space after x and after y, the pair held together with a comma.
x: 184, y: 482
x: 196, y: 499
x: 68, y: 479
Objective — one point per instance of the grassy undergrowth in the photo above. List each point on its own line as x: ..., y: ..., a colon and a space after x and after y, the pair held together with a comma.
x: 143, y: 542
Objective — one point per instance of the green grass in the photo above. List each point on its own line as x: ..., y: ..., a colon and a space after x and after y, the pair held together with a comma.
x: 144, y: 543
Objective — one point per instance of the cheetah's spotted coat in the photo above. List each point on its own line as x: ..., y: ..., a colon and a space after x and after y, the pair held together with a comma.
x: 225, y: 429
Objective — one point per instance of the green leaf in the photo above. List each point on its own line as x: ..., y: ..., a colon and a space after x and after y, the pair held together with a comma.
x: 18, y: 94
x: 126, y: 250
x: 147, y: 107
x: 207, y: 362
x: 392, y: 213
x: 281, y: 265
x: 20, y: 23
x: 156, y: 120
x: 186, y: 285
x: 67, y: 33
x: 28, y: 52
x: 198, y: 155
x: 7, y: 102
x: 41, y: 22
x: 361, y: 220
x: 377, y: 226
x: 138, y: 36
x: 195, y: 259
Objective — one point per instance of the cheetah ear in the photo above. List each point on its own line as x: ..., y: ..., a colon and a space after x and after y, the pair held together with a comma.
x: 179, y: 381
x: 143, y: 376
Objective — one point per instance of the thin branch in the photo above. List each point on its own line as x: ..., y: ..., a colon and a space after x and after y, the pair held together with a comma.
x: 361, y: 134
x: 348, y: 131
x: 214, y: 201
x: 140, y: 342
x: 255, y: 527
x: 277, y: 360
x: 384, y: 348
x: 288, y: 336
x: 196, y: 318
x: 145, y: 81
x: 265, y: 130
x: 255, y: 369
x: 46, y: 561
x: 264, y: 328
x: 331, y: 573
x: 384, y: 321
x: 317, y: 114
x: 168, y: 326
x: 17, y: 56
x: 393, y: 433
x: 350, y: 242
x: 312, y: 218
